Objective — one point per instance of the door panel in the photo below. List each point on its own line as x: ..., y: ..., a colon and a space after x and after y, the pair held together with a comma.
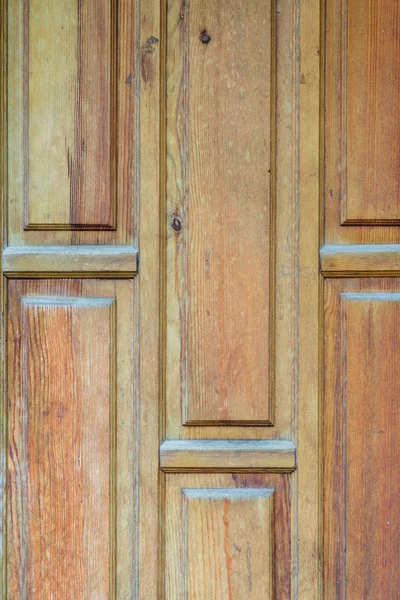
x: 230, y: 157
x: 228, y: 537
x: 70, y: 122
x: 361, y: 121
x: 70, y: 398
x: 221, y: 71
x: 69, y: 129
x: 361, y: 447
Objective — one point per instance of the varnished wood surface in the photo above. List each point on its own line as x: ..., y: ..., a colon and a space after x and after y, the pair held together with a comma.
x: 361, y: 121
x: 228, y: 536
x: 70, y: 112
x: 220, y: 106
x: 361, y: 449
x: 372, y: 71
x: 360, y: 259
x: 282, y: 261
x: 69, y: 480
x: 93, y: 261
x: 227, y: 456
x: 72, y: 130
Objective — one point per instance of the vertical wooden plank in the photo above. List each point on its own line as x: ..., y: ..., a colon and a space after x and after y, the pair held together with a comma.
x: 221, y: 101
x: 3, y: 290
x: 307, y: 426
x: 361, y: 450
x: 149, y: 428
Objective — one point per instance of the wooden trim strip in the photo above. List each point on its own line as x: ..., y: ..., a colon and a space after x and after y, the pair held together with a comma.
x: 360, y: 260
x: 227, y: 456
x: 70, y: 261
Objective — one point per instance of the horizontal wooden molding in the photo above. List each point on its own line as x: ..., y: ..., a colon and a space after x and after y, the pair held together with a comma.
x: 220, y: 456
x: 70, y: 261
x: 342, y: 260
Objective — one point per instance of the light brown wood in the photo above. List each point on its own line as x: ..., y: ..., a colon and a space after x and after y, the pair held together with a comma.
x: 69, y: 156
x: 61, y: 497
x: 227, y: 456
x: 93, y: 261
x: 361, y: 121
x: 219, y: 208
x: 69, y: 482
x: 360, y: 259
x: 306, y: 425
x: 282, y: 260
x: 227, y: 537
x: 361, y: 450
x: 371, y: 116
x: 71, y: 122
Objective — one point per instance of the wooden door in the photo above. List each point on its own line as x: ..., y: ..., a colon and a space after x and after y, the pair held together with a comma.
x: 200, y: 262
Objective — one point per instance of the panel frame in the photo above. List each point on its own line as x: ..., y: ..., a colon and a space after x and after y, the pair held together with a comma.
x: 125, y: 160
x: 284, y: 262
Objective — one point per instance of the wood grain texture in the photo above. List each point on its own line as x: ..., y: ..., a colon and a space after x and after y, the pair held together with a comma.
x: 69, y: 481
x: 59, y: 261
x: 228, y: 536
x: 241, y: 519
x: 70, y: 150
x: 361, y: 449
x: 307, y: 344
x: 220, y: 105
x: 372, y: 96
x: 362, y: 122
x: 147, y: 556
x: 283, y: 260
x: 227, y: 456
x: 71, y: 122
x: 360, y: 259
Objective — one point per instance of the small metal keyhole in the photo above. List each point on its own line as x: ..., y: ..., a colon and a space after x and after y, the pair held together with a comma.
x: 176, y: 224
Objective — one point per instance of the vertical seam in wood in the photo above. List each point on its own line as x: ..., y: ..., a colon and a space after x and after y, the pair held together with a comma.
x: 113, y: 450
x: 343, y: 58
x: 272, y: 211
x: 163, y: 8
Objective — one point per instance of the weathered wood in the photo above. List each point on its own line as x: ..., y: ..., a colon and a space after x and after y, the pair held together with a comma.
x: 228, y: 537
x: 67, y: 261
x: 361, y: 450
x: 282, y: 261
x: 360, y: 260
x: 361, y: 121
x: 220, y: 161
x: 70, y: 113
x: 72, y: 126
x: 227, y: 456
x: 306, y: 516
x: 70, y: 366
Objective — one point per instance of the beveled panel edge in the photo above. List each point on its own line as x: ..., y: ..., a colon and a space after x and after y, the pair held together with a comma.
x: 228, y: 456
x: 70, y: 261
x: 360, y: 260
